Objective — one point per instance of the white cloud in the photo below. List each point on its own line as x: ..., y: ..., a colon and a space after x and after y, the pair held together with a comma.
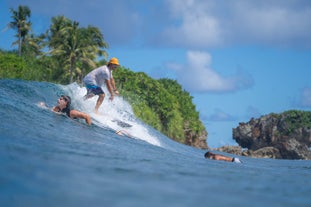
x: 194, y: 24
x: 198, y: 28
x: 278, y: 23
x: 214, y: 23
x: 198, y: 76
x: 195, y: 28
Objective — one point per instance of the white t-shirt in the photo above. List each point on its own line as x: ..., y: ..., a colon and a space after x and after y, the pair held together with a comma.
x: 98, y: 76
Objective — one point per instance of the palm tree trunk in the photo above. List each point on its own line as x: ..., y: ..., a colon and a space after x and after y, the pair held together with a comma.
x: 70, y: 72
x: 19, y: 42
x: 72, y: 67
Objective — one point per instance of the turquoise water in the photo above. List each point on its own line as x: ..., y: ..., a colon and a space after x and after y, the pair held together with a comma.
x: 50, y: 160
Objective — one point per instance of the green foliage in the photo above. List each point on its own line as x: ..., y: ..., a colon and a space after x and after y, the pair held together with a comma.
x: 160, y: 103
x: 28, y: 68
x: 296, y: 119
x: 143, y: 111
x: 11, y: 66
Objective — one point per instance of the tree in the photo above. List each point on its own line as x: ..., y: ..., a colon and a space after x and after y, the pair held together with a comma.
x: 21, y: 24
x: 74, y: 45
x: 32, y: 45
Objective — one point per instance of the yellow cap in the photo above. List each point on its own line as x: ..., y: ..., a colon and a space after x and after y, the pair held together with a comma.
x: 114, y: 61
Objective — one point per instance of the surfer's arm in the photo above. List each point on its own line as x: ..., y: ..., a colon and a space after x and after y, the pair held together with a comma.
x: 56, y: 109
x: 113, y: 84
x: 81, y: 115
x: 108, y: 83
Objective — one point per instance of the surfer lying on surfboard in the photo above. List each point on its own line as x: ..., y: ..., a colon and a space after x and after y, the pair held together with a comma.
x: 64, y: 106
x: 210, y: 155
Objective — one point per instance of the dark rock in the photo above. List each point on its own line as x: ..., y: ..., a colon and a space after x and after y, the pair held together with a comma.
x: 237, y: 150
x: 281, y: 136
x: 265, y: 152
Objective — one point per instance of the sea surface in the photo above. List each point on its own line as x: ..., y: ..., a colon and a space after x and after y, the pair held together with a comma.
x: 48, y: 159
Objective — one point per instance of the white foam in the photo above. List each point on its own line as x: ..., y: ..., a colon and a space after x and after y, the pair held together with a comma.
x: 42, y: 105
x: 118, y: 109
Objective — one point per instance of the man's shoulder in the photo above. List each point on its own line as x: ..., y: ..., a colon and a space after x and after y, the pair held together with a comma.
x: 103, y: 68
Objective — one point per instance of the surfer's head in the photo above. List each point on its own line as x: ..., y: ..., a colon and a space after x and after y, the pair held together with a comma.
x: 208, y: 154
x: 66, y: 99
x: 113, y: 63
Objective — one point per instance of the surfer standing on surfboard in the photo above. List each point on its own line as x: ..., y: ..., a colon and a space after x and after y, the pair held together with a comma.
x: 96, y: 78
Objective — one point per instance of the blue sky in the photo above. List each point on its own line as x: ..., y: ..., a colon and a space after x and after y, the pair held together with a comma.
x: 238, y: 59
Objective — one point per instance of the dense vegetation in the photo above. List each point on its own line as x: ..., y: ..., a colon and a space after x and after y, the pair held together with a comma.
x: 161, y: 103
x: 296, y: 119
x: 72, y: 52
x: 292, y: 120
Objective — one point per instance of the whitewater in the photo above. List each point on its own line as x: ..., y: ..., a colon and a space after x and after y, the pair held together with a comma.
x: 48, y: 159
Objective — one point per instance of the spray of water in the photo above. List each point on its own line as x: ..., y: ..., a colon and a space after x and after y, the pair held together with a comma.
x: 112, y: 114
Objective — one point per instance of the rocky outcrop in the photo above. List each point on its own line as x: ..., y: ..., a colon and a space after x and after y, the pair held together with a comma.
x: 196, y: 139
x: 265, y: 152
x: 281, y: 136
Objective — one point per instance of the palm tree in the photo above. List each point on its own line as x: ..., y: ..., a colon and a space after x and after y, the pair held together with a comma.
x: 56, y: 31
x: 21, y: 24
x: 95, y: 37
x: 33, y: 44
x: 93, y: 41
x: 75, y: 45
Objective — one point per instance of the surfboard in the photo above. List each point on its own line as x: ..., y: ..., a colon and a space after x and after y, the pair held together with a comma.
x: 108, y: 118
x: 121, y: 123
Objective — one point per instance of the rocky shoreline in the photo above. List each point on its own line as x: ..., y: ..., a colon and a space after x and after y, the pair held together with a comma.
x: 279, y: 136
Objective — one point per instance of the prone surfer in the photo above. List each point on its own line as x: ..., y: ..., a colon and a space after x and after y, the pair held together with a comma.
x: 210, y: 155
x: 64, y: 106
